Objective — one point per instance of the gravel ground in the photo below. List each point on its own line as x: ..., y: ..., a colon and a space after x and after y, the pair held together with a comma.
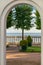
x: 14, y: 57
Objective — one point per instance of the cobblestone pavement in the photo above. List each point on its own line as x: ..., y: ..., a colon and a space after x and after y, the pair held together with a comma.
x: 14, y: 57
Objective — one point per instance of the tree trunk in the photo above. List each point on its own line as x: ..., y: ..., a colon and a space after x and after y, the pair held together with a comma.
x: 22, y: 34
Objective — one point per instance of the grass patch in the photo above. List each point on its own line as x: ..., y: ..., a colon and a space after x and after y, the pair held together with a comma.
x: 33, y: 49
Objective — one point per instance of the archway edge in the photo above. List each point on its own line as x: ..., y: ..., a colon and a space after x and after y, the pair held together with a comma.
x: 33, y: 3
x: 11, y: 4
x: 3, y: 16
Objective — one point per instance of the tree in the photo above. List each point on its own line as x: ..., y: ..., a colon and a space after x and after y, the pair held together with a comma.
x: 38, y: 20
x: 23, y: 17
x: 9, y: 20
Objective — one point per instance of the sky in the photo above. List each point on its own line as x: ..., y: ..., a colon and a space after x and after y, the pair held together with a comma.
x: 13, y: 30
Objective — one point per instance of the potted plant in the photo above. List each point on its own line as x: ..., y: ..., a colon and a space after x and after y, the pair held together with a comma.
x: 23, y: 45
x: 7, y: 44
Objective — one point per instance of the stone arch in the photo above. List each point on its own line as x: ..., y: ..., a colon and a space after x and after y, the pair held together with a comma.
x: 3, y: 18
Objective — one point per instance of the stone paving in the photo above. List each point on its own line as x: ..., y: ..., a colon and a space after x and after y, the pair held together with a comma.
x: 14, y: 57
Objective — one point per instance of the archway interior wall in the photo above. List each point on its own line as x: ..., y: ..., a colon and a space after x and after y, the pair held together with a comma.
x: 3, y: 3
x: 3, y: 26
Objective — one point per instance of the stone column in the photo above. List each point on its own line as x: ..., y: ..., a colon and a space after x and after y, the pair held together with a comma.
x: 2, y: 45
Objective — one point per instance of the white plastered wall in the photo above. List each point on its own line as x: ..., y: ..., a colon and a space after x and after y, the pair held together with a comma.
x: 5, y: 7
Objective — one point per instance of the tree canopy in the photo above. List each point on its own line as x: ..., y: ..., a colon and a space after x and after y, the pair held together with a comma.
x: 38, y: 20
x: 23, y: 17
x: 9, y: 20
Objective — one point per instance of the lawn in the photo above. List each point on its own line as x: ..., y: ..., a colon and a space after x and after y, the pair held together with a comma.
x: 33, y: 49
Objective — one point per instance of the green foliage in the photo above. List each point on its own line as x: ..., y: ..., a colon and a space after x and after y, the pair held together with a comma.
x: 23, y: 17
x: 38, y: 20
x: 23, y: 44
x: 29, y: 41
x: 9, y: 20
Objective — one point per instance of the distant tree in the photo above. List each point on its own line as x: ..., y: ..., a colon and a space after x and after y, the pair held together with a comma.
x: 23, y: 17
x: 9, y: 20
x: 38, y: 20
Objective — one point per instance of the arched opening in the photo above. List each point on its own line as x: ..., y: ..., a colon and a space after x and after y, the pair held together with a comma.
x: 4, y: 17
x: 18, y: 13
x: 11, y: 36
